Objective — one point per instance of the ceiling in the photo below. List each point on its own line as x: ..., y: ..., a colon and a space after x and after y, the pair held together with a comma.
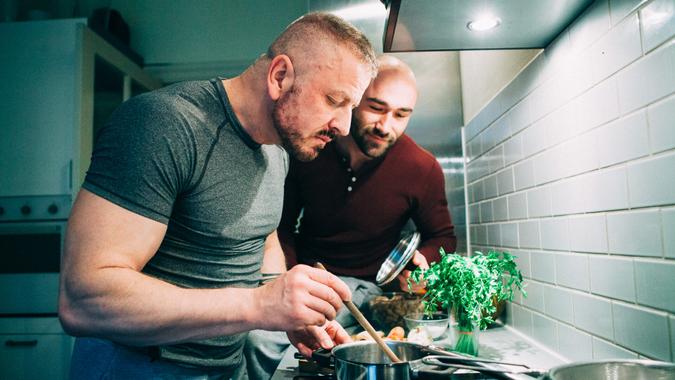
x: 433, y: 25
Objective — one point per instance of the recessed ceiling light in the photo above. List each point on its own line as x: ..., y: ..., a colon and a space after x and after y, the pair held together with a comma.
x: 483, y: 23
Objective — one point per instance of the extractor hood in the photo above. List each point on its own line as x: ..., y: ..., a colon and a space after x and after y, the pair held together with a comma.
x: 432, y: 25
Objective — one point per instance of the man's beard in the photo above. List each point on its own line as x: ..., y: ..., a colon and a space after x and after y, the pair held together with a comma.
x: 360, y: 134
x: 285, y: 119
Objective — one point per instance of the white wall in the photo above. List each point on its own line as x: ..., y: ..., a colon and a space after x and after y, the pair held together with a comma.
x: 572, y: 168
x: 485, y: 72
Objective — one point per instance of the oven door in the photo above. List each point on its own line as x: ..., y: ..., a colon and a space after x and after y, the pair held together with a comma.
x: 30, y: 254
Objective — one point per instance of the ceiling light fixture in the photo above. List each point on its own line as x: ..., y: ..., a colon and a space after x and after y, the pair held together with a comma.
x: 483, y: 23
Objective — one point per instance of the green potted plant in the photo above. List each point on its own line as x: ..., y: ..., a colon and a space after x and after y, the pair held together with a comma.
x: 467, y: 286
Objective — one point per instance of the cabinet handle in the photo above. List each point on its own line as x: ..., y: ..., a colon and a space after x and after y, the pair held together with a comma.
x: 21, y: 343
x: 70, y: 175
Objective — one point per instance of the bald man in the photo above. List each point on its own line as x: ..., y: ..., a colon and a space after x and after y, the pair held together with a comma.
x: 161, y: 269
x: 356, y: 198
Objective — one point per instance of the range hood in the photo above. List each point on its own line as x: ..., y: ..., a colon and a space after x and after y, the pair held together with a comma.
x: 433, y: 25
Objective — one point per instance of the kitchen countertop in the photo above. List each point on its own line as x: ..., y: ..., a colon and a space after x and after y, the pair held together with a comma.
x: 497, y: 343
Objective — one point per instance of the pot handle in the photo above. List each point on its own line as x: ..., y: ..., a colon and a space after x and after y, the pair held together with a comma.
x: 438, y: 360
x: 457, y: 358
x: 420, y: 370
x: 323, y: 357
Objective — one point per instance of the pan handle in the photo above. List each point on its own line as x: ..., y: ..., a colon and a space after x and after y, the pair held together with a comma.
x: 323, y: 357
x: 438, y: 360
x: 457, y: 358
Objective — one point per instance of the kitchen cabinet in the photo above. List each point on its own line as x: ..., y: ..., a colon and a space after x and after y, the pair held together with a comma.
x: 34, y: 348
x: 60, y: 83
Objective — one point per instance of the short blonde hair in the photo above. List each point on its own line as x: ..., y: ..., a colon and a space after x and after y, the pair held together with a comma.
x: 314, y: 28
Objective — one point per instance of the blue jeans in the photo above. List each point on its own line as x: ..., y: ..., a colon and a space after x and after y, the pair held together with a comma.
x: 102, y: 359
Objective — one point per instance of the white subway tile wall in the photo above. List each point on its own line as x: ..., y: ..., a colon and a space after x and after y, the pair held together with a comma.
x: 543, y: 266
x: 641, y: 329
x: 558, y: 303
x: 658, y: 23
x: 668, y: 218
x: 572, y: 168
x: 661, y: 124
x: 602, y: 349
x: 593, y: 314
x: 574, y: 344
x: 544, y: 329
x: 612, y: 277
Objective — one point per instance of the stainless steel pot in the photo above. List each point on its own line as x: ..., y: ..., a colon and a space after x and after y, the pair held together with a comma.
x: 365, y: 361
x: 614, y: 370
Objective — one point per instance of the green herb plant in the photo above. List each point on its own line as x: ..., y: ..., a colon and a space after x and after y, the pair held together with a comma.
x: 468, y: 285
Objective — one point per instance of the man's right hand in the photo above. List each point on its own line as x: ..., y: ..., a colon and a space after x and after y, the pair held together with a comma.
x: 301, y: 297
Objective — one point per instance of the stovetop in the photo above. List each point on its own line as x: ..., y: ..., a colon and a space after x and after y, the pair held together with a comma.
x: 309, y: 369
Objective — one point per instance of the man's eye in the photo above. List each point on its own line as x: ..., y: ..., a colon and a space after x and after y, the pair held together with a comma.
x: 331, y: 100
x: 378, y: 109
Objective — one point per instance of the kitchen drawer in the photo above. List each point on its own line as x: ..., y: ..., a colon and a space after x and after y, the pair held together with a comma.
x: 35, y: 356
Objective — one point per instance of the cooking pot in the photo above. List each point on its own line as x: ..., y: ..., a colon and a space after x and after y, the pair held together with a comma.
x: 614, y: 370
x: 364, y: 360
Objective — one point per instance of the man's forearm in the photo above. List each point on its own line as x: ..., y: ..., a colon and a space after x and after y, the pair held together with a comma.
x: 132, y: 308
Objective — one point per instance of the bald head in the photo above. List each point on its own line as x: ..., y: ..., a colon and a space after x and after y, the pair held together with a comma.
x: 385, y: 109
x: 392, y: 68
x: 313, y: 38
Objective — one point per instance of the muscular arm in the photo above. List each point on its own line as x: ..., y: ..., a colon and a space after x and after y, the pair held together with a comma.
x: 104, y: 294
x: 273, y: 260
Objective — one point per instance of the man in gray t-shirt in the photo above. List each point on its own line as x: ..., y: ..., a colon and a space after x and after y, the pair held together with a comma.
x: 166, y: 238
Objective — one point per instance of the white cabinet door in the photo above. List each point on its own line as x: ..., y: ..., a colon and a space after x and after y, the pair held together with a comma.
x: 39, y: 111
x: 45, y: 356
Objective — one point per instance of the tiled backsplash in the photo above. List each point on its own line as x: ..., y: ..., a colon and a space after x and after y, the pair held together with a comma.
x: 572, y: 169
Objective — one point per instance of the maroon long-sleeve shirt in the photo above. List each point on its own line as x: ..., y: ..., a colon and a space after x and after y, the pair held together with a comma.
x: 353, y: 219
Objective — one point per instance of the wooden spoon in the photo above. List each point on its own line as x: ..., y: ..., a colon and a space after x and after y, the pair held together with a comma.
x: 367, y: 326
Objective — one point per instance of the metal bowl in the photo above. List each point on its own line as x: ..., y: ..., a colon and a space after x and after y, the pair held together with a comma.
x: 614, y: 370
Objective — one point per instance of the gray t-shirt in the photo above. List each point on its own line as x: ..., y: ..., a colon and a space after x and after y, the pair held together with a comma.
x: 179, y: 156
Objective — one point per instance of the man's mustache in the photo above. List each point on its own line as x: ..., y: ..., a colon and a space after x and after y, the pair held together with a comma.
x: 329, y: 133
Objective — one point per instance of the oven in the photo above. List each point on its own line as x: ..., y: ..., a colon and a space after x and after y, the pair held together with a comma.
x: 32, y: 233
x: 32, y: 342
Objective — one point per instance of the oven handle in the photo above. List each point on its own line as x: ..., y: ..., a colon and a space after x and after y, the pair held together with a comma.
x: 21, y: 343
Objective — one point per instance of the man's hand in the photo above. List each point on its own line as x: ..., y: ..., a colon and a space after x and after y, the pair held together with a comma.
x: 313, y: 337
x: 299, y: 298
x: 421, y: 261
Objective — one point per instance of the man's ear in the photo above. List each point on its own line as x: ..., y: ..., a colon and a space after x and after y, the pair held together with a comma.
x: 280, y: 76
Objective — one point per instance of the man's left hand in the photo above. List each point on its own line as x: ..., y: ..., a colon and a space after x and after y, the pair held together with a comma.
x: 421, y: 261
x: 314, y: 337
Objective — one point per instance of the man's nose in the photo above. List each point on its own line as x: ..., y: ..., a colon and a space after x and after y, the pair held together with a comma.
x: 342, y: 122
x: 384, y: 123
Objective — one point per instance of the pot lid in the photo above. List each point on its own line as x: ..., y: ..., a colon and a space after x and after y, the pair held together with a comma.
x: 398, y: 258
